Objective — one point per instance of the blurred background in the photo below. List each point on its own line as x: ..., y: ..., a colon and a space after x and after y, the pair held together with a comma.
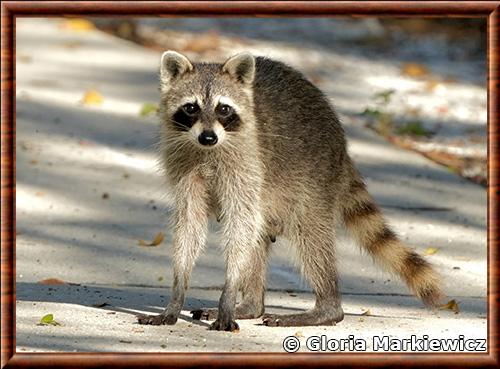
x: 421, y: 83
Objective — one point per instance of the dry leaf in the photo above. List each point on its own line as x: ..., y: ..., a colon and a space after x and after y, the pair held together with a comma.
x: 85, y: 143
x: 92, y: 97
x: 430, y: 251
x: 298, y: 334
x: 158, y: 239
x: 366, y: 312
x: 100, y: 304
x: 451, y: 305
x: 431, y: 85
x: 78, y: 24
x: 24, y: 58
x: 414, y: 70
x: 51, y: 281
x: 443, y: 109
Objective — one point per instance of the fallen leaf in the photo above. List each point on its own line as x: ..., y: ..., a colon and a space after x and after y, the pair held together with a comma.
x: 430, y: 251
x: 160, y: 279
x: 451, y: 305
x: 51, y: 281
x: 92, y: 97
x: 367, y: 312
x: 100, y: 304
x: 33, y: 162
x: 432, y: 85
x: 414, y: 70
x: 77, y: 24
x: 158, y: 239
x: 105, y: 196
x: 24, y: 58
x: 298, y: 334
x: 48, y: 320
x: 85, y: 143
x: 148, y: 109
x: 443, y: 109
x: 39, y: 194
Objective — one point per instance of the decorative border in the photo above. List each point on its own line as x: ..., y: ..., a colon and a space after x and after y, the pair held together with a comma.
x: 12, y: 9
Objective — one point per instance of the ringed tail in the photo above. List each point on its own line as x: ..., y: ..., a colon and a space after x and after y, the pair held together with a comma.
x: 366, y: 225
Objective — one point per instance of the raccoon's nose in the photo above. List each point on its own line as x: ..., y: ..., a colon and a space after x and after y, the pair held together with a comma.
x: 207, y: 138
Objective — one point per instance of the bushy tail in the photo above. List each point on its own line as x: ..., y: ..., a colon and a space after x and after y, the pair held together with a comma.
x: 366, y: 225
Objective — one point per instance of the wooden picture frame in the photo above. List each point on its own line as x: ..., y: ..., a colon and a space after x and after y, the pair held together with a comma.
x: 14, y: 9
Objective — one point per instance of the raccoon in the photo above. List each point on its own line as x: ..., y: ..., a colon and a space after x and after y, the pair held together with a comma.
x: 254, y: 144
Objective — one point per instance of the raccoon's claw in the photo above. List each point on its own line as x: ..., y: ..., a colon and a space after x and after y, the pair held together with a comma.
x: 271, y: 320
x: 204, y: 314
x: 160, y: 319
x: 228, y: 326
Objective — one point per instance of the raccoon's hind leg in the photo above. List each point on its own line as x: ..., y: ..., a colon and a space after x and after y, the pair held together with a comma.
x: 252, y: 287
x: 315, y: 245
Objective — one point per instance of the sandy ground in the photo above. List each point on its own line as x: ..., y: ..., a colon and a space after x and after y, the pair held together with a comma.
x: 88, y: 188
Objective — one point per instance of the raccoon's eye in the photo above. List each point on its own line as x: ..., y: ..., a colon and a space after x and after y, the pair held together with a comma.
x: 190, y: 109
x: 224, y: 110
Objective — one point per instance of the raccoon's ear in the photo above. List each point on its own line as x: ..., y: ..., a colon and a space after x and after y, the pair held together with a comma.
x: 172, y: 66
x: 241, y: 67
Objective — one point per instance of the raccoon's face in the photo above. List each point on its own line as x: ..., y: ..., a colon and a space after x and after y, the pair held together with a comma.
x: 206, y: 103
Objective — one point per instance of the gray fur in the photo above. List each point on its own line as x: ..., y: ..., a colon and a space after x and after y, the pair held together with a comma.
x: 284, y: 172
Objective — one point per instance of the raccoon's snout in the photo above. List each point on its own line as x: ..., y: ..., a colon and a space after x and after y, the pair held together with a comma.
x: 207, y: 138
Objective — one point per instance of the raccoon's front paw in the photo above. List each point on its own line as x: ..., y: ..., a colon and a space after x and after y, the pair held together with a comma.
x: 225, y: 325
x: 160, y: 319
